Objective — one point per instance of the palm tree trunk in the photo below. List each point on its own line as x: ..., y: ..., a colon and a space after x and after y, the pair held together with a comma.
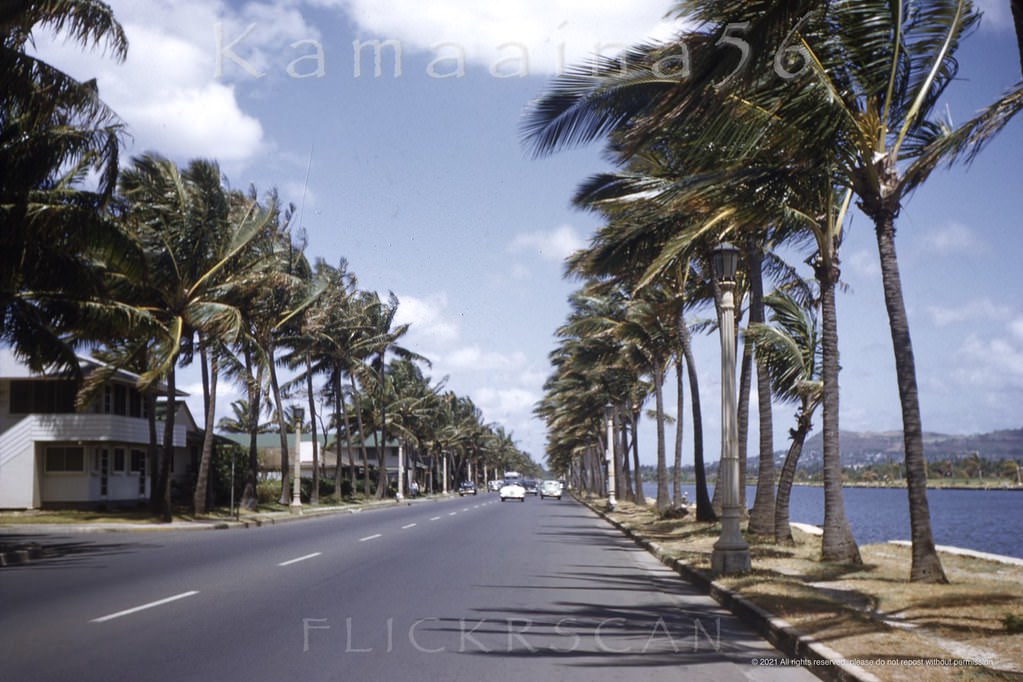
x: 662, y: 465
x: 362, y: 438
x: 199, y: 498
x: 161, y: 496
x: 782, y: 529
x: 341, y: 421
x: 761, y: 520
x: 837, y: 543
x: 680, y: 398
x: 1017, y: 22
x: 152, y: 453
x: 742, y: 417
x: 623, y: 447
x: 704, y: 506
x: 314, y: 493
x: 636, y: 473
x: 275, y: 389
x: 926, y: 565
x: 252, y: 384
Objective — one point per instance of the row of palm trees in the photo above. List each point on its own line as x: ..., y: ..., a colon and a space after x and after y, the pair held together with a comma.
x: 155, y: 266
x: 760, y: 125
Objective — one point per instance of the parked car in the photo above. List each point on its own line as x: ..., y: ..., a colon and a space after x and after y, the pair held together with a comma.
x: 531, y: 487
x: 513, y: 491
x: 550, y: 489
x: 467, y: 488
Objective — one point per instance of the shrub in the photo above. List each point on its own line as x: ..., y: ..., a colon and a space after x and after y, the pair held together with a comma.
x: 1013, y: 623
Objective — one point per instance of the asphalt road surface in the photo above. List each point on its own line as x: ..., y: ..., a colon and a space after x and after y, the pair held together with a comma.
x: 462, y: 589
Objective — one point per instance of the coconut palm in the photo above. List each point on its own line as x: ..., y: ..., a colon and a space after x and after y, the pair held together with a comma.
x: 383, y: 340
x: 791, y: 348
x: 54, y: 232
x: 193, y: 263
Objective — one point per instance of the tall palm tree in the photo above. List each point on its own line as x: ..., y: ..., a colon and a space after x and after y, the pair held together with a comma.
x: 191, y: 267
x: 384, y: 337
x: 55, y: 236
x: 791, y: 348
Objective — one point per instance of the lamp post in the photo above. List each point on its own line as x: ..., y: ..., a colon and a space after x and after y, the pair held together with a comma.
x: 731, y: 553
x: 609, y: 416
x: 296, y: 485
x: 401, y: 471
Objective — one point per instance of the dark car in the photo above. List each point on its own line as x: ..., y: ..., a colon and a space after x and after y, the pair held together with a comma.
x: 467, y: 488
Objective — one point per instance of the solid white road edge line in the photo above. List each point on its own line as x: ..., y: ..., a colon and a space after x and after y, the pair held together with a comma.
x: 301, y: 558
x: 143, y: 607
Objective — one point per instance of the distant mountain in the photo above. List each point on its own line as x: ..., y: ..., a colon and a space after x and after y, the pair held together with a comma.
x: 873, y: 448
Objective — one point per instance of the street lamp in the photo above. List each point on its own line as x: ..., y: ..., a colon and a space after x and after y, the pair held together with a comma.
x: 731, y: 553
x: 296, y: 487
x: 609, y: 416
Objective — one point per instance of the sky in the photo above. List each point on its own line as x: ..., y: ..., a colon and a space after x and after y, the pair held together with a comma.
x: 412, y: 168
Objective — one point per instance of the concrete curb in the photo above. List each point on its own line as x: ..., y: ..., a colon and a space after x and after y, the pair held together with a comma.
x: 827, y: 663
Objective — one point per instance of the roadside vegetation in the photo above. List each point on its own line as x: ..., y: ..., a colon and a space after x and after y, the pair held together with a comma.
x: 866, y: 611
x: 763, y: 125
x: 151, y: 265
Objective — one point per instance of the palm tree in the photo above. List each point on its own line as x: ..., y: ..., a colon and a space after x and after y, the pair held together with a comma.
x: 54, y: 234
x: 864, y: 90
x: 191, y: 267
x: 791, y: 348
x: 384, y: 337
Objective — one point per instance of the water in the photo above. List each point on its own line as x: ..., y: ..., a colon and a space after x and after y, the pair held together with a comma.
x: 982, y: 520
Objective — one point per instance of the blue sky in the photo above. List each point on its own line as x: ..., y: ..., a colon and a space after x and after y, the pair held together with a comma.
x: 418, y: 178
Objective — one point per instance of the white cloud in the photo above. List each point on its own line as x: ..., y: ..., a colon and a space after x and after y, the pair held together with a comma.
x: 556, y: 245
x: 428, y: 317
x: 538, y: 36
x: 863, y: 263
x: 978, y: 309
x: 954, y: 238
x: 167, y: 90
x: 504, y: 402
x: 475, y: 358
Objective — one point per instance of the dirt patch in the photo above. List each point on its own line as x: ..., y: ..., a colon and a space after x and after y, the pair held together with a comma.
x: 872, y: 613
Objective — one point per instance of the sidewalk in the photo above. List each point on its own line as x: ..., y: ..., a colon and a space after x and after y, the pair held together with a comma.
x: 921, y: 633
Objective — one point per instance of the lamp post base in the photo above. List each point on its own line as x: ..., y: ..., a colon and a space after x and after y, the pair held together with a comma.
x: 295, y: 507
x: 730, y: 561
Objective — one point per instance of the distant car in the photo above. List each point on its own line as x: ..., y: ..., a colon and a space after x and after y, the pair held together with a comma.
x: 467, y: 488
x: 531, y: 487
x: 512, y: 491
x: 550, y: 489
x: 495, y: 485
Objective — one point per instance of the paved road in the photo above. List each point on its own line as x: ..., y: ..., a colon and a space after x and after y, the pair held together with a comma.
x: 464, y: 589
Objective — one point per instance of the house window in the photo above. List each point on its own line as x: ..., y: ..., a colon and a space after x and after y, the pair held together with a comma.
x: 120, y: 399
x: 103, y: 462
x: 138, y: 465
x: 119, y: 462
x: 138, y: 461
x: 134, y: 403
x: 65, y: 459
x: 48, y: 396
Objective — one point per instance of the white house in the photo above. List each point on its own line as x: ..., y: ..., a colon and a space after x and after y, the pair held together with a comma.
x: 54, y: 455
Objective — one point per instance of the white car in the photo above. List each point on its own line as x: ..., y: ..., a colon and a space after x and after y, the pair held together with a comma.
x: 512, y: 491
x: 550, y: 489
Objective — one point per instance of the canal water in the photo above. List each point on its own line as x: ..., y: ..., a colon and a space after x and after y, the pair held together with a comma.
x: 982, y: 520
